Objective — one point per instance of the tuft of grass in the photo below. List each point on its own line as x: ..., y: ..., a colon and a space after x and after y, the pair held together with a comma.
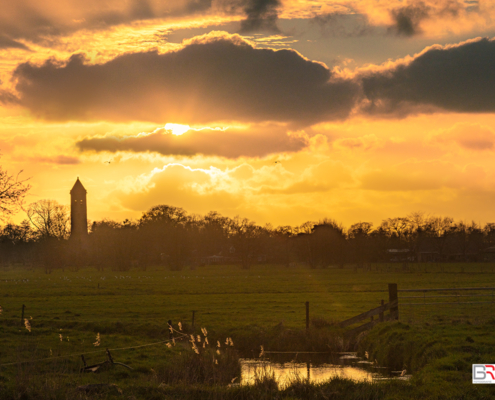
x: 206, y: 368
x: 264, y: 380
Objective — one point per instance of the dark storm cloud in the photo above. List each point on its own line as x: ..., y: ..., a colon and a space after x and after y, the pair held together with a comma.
x: 220, y: 77
x: 40, y: 21
x: 213, y: 78
x: 457, y: 78
x: 407, y: 19
x: 229, y: 143
x: 6, y: 42
x: 260, y: 15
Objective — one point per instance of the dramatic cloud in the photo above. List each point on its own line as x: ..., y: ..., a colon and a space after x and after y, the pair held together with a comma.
x: 44, y: 22
x: 320, y: 177
x: 261, y: 15
x: 454, y: 78
x: 35, y: 21
x: 229, y: 143
x: 474, y: 137
x: 402, y: 18
x: 195, y: 189
x: 407, y: 19
x: 221, y: 77
x: 6, y: 42
x: 213, y: 78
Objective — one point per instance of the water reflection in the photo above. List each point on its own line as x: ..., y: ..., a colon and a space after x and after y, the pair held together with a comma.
x: 287, y: 372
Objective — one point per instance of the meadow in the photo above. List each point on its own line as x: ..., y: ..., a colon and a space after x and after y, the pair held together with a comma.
x: 263, y: 305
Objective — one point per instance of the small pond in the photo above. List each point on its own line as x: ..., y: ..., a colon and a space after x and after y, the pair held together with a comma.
x: 316, y: 368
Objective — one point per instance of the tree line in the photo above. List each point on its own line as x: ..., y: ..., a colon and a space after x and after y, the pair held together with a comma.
x: 171, y: 237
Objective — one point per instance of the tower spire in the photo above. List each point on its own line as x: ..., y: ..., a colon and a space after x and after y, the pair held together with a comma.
x: 78, y: 212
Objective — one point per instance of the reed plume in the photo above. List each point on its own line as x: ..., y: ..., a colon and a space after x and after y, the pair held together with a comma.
x: 98, y: 340
x: 27, y: 324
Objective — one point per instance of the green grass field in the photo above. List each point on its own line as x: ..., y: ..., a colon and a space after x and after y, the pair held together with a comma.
x: 131, y: 309
x: 225, y: 296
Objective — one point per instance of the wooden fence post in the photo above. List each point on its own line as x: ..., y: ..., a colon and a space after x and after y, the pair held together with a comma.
x: 381, y: 314
x: 22, y: 315
x: 109, y: 357
x: 307, y: 315
x: 392, y: 296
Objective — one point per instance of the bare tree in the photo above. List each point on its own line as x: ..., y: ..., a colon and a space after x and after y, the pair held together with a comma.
x: 12, y: 193
x: 50, y: 219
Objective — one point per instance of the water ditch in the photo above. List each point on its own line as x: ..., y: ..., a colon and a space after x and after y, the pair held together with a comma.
x: 315, y: 368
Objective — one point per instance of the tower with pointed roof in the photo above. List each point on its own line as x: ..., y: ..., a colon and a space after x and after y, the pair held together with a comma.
x: 78, y: 212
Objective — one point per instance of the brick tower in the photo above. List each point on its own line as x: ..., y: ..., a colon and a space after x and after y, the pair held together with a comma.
x: 78, y: 213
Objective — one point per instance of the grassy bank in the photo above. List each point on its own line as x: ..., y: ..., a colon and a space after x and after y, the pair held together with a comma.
x: 439, y: 356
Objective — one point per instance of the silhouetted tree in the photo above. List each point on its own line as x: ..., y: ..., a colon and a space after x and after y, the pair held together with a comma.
x: 163, y: 235
x: 360, y: 243
x: 13, y: 190
x: 328, y: 243
x: 50, y: 219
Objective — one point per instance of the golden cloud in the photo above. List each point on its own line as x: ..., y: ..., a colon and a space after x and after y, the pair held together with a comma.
x: 217, y: 77
x: 469, y: 136
x: 230, y: 142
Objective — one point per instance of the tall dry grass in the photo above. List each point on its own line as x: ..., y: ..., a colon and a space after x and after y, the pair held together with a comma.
x: 209, y: 367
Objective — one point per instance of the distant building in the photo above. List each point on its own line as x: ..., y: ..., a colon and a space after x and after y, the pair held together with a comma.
x: 78, y: 213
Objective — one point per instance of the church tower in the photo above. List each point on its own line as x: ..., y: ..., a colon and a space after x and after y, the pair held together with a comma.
x: 78, y: 212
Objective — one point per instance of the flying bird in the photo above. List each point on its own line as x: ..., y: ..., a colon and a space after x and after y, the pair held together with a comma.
x: 107, y: 162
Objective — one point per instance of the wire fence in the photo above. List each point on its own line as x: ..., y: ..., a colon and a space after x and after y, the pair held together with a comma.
x: 180, y: 337
x: 446, y: 302
x: 428, y: 305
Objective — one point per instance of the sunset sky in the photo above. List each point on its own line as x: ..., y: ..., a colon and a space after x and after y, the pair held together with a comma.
x: 281, y: 111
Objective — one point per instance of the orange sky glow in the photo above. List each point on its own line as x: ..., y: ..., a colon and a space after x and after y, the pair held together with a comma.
x: 279, y: 111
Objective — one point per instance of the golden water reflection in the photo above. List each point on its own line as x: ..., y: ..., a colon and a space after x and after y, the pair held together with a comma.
x: 285, y: 373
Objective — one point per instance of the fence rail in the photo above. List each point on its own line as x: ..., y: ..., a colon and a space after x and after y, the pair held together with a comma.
x: 395, y: 299
x: 368, y: 314
x: 392, y: 306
